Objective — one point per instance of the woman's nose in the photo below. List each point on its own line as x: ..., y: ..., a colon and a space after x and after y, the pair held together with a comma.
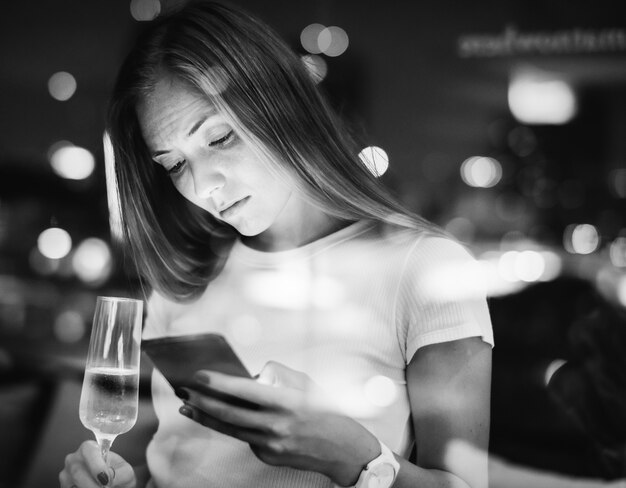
x: 206, y: 181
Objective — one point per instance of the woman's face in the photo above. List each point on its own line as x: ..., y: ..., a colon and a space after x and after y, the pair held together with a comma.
x: 210, y: 164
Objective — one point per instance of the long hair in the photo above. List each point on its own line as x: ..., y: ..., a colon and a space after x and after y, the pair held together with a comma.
x: 256, y: 80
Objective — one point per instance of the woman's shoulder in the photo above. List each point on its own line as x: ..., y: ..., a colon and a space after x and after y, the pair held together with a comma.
x: 429, y: 243
x: 428, y: 255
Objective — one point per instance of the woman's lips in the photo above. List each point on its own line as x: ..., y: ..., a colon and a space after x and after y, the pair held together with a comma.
x: 234, y: 208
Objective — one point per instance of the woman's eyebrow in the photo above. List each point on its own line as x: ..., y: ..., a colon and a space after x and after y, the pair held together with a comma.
x: 197, y: 125
x: 192, y: 131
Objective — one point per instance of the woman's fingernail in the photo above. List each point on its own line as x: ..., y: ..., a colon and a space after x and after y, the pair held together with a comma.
x: 182, y: 393
x: 103, y: 478
x: 186, y: 411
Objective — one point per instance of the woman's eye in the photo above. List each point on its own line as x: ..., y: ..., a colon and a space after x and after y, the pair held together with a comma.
x: 223, y: 141
x: 176, y: 168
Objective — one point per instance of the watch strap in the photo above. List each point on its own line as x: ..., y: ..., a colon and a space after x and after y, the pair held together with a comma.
x: 387, y: 461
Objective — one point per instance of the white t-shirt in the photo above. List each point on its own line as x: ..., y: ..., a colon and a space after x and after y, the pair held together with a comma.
x: 349, y: 310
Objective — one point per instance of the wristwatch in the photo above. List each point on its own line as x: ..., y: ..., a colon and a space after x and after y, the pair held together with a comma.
x: 380, y: 472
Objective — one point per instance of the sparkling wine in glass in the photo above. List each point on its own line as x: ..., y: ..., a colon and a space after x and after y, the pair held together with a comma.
x: 109, y: 398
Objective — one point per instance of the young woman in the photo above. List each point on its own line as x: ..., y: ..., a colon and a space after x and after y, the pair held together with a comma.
x: 247, y: 210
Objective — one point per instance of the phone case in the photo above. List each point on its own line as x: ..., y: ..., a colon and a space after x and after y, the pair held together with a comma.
x: 179, y: 357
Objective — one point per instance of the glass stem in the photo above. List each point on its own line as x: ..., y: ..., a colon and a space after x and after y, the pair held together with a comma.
x: 105, y: 444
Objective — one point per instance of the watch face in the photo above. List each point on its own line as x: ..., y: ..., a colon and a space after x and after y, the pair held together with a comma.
x: 381, y: 476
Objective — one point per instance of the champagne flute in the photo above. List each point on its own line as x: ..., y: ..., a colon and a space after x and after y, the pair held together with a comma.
x: 109, y: 398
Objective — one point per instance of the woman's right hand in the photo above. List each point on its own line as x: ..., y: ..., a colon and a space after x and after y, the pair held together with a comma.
x: 85, y: 468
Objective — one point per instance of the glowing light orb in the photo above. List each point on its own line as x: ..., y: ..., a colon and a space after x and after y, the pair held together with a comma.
x: 553, y: 265
x: 506, y: 266
x: 581, y: 238
x: 333, y: 41
x: 92, y: 261
x: 54, y: 243
x: 69, y: 326
x: 145, y: 10
x: 617, y: 182
x: 380, y: 391
x: 541, y: 99
x: 375, y: 159
x: 62, y: 86
x: 316, y: 66
x: 529, y: 266
x: 481, y: 172
x: 617, y: 252
x: 71, y: 162
x: 309, y: 38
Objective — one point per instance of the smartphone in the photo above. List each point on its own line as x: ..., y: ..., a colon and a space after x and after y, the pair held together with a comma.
x: 179, y: 357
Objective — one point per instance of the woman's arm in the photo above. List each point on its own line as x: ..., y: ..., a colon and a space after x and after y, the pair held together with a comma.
x: 449, y: 388
x: 449, y: 393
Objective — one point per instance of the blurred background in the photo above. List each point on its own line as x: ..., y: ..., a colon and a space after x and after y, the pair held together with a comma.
x: 504, y: 122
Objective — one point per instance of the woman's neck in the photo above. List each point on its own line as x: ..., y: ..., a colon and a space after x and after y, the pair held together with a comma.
x: 311, y: 226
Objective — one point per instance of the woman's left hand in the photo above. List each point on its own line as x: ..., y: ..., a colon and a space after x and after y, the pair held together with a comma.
x: 285, y: 424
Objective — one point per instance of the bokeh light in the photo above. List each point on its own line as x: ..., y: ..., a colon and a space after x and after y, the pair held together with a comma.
x: 333, y: 41
x: 581, y: 238
x: 617, y: 252
x: 62, y: 86
x: 511, y: 271
x: 540, y: 98
x: 69, y: 326
x: 92, y: 261
x: 529, y: 266
x: 316, y: 66
x: 145, y: 10
x: 553, y: 265
x: 375, y: 159
x: 507, y: 266
x: 309, y: 38
x: 481, y: 172
x: 71, y: 162
x: 617, y: 182
x: 54, y: 243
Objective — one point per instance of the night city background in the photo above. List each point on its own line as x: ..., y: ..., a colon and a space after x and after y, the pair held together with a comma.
x: 503, y: 122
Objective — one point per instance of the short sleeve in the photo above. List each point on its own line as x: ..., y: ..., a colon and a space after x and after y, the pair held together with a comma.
x: 442, y: 296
